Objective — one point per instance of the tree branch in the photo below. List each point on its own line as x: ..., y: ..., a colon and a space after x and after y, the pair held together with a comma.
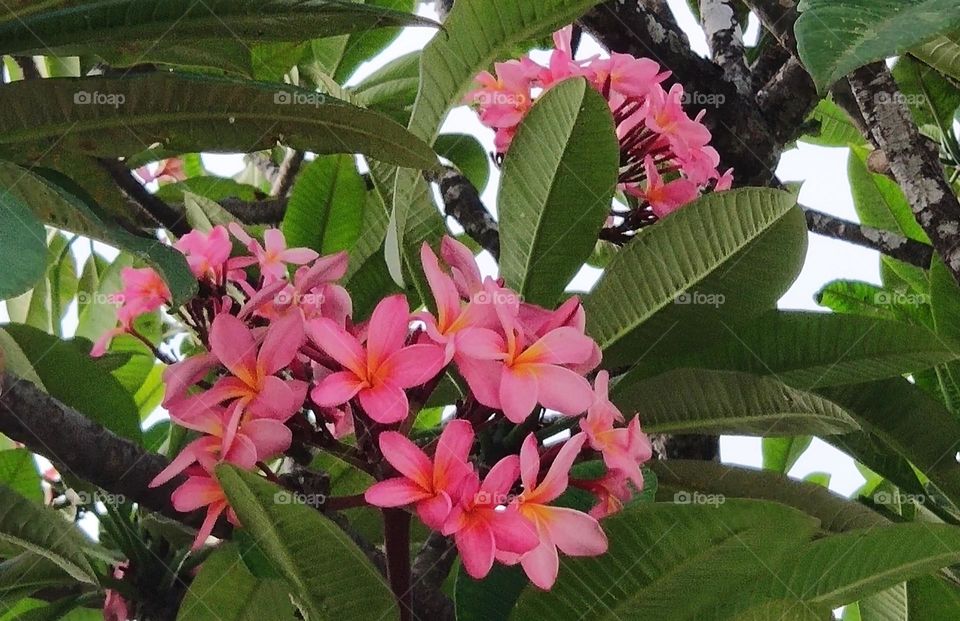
x: 462, y: 202
x: 83, y: 448
x: 725, y: 39
x: 885, y: 242
x: 914, y: 160
x: 167, y: 216
x: 288, y: 173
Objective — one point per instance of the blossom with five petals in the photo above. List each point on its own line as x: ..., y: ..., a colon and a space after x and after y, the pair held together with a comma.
x: 664, y: 198
x: 378, y: 373
x: 206, y: 253
x: 483, y: 525
x: 434, y: 487
x: 273, y: 256
x: 575, y: 533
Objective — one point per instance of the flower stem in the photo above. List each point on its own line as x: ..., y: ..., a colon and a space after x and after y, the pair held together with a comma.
x: 397, y: 542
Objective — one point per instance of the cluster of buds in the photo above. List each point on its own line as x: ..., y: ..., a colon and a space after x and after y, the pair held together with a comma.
x: 281, y: 354
x: 665, y: 157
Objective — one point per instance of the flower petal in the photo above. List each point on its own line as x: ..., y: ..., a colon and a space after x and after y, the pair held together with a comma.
x: 196, y: 492
x: 434, y: 511
x: 518, y: 393
x: 336, y: 389
x: 385, y: 403
x: 513, y: 532
x: 483, y: 377
x: 408, y: 458
x: 558, y: 477
x: 387, y: 329
x: 284, y: 338
x: 477, y: 548
x: 561, y: 389
x: 339, y: 345
x: 413, y: 365
x: 481, y: 343
x: 279, y: 399
x: 501, y: 478
x: 269, y: 437
x: 232, y: 342
x: 542, y: 564
x: 559, y: 346
x: 453, y: 449
x: 575, y: 533
x: 396, y: 492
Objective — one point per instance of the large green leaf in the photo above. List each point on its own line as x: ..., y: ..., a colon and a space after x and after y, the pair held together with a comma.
x: 72, y: 377
x: 59, y: 207
x: 151, y: 21
x: 879, y: 201
x: 117, y: 117
x: 27, y: 573
x: 911, y: 423
x: 326, y: 572
x: 476, y: 33
x: 932, y: 98
x: 834, y: 37
x: 942, y: 53
x: 555, y: 193
x: 468, y: 155
x: 808, y: 350
x: 674, y: 257
x: 18, y: 471
x: 780, y: 454
x: 836, y: 128
x: 42, y: 531
x: 326, y: 209
x: 700, y: 401
x: 671, y: 562
x: 392, y: 89
x: 681, y: 479
x: 23, y: 245
x: 225, y: 590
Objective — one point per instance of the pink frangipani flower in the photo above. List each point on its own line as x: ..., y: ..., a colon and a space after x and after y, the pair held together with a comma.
x: 273, y: 256
x: 434, y: 487
x: 622, y: 448
x: 201, y: 489
x: 573, y: 532
x: 482, y: 524
x: 206, y: 253
x: 378, y: 373
x: 513, y: 376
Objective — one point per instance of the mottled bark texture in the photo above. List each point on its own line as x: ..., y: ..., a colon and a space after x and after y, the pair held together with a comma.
x: 725, y: 40
x: 461, y: 201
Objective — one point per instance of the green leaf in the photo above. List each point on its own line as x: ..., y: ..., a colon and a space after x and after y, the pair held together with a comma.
x: 699, y: 401
x: 25, y: 574
x: 911, y: 423
x: 23, y: 245
x: 179, y: 20
x: 682, y: 478
x: 225, y: 590
x: 841, y: 569
x: 60, y: 207
x: 72, y: 377
x: 468, y: 155
x: 392, y: 89
x: 16, y: 361
x: 43, y: 531
x: 551, y: 205
x: 491, y: 598
x: 780, y: 454
x: 836, y: 127
x: 879, y: 201
x: 477, y: 31
x: 808, y: 350
x: 834, y: 37
x: 942, y: 53
x: 326, y: 208
x: 854, y: 297
x: 18, y: 471
x: 933, y: 99
x: 675, y: 256
x: 326, y: 572
x: 207, y: 186
x: 671, y: 562
x: 116, y: 117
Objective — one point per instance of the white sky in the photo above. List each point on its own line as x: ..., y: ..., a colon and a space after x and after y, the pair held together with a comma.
x: 825, y: 187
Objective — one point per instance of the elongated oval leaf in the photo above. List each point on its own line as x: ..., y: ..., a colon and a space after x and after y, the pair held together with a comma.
x: 116, y: 117
x: 23, y: 245
x: 27, y: 573
x: 834, y: 37
x: 808, y: 350
x: 664, y: 265
x: 325, y: 210
x: 44, y: 532
x: 225, y: 590
x: 555, y: 193
x: 659, y: 552
x: 182, y: 20
x: 700, y: 401
x: 325, y: 570
x: 942, y: 53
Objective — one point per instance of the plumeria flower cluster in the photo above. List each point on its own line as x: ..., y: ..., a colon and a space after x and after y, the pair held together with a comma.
x: 282, y: 362
x: 666, y: 160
